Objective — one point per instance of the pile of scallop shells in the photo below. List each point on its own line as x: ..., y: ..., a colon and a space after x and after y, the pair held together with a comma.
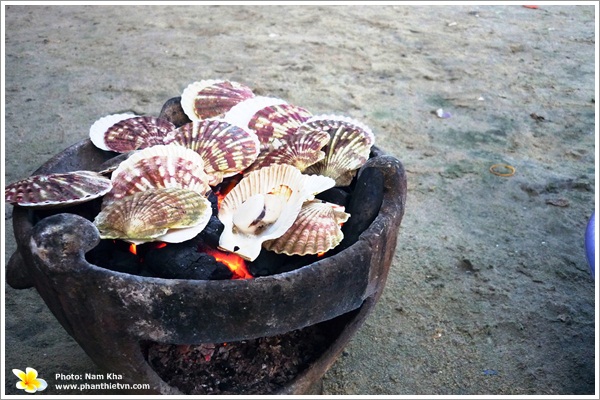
x: 284, y: 155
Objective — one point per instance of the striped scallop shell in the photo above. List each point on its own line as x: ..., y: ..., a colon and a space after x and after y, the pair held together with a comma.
x: 263, y: 205
x: 226, y: 149
x: 59, y: 189
x: 212, y: 98
x: 348, y: 148
x: 242, y: 113
x: 151, y: 214
x: 162, y: 166
x: 316, y: 230
x: 133, y: 133
x: 100, y: 126
x: 277, y: 122
x: 299, y: 150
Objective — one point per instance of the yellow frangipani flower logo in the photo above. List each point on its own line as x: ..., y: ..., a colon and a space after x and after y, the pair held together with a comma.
x: 29, y: 380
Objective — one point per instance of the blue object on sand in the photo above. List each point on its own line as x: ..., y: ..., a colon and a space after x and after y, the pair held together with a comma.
x: 590, y: 243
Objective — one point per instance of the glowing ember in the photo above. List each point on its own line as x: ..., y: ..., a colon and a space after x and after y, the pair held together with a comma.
x: 226, y: 188
x: 235, y: 263
x: 133, y: 249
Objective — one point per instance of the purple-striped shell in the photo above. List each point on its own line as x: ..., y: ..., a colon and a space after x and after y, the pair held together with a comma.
x: 59, y: 189
x: 242, y: 113
x: 162, y: 166
x: 263, y: 206
x: 133, y: 133
x: 317, y: 229
x: 100, y: 126
x: 277, y: 122
x: 299, y: 150
x: 348, y: 149
x: 212, y: 98
x: 151, y: 215
x: 226, y: 149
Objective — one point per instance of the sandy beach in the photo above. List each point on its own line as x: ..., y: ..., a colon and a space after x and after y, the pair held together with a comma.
x: 489, y: 292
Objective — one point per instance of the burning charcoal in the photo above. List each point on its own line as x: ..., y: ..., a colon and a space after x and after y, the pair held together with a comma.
x: 334, y: 195
x: 267, y: 263
x: 114, y: 256
x: 270, y: 263
x: 182, y: 261
x: 211, y: 232
x: 364, y: 205
x: 212, y: 197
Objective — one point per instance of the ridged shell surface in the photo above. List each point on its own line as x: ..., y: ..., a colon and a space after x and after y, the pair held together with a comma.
x: 316, y: 230
x: 242, y: 113
x: 348, y: 149
x: 138, y: 133
x: 162, y: 166
x: 298, y: 150
x: 60, y: 189
x: 148, y: 215
x: 212, y: 98
x: 226, y: 149
x: 100, y: 126
x: 263, y: 205
x: 277, y: 122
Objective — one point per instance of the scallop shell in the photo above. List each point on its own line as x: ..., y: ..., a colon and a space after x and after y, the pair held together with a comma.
x: 242, y: 113
x: 99, y: 127
x: 135, y: 133
x: 162, y: 166
x: 277, y: 122
x: 212, y: 98
x: 300, y: 150
x: 226, y: 149
x: 316, y: 230
x: 149, y: 215
x: 59, y: 189
x: 263, y: 205
x: 348, y: 148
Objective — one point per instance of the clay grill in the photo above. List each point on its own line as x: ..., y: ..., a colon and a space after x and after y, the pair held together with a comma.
x: 120, y: 318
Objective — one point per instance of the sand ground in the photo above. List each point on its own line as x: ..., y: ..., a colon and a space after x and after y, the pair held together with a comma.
x: 489, y: 291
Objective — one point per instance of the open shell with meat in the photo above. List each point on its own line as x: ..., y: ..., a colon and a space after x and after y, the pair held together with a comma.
x: 264, y: 205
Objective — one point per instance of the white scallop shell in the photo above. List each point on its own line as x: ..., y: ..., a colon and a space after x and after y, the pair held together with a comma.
x: 99, y: 127
x: 161, y: 166
x: 317, y: 229
x: 263, y: 206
